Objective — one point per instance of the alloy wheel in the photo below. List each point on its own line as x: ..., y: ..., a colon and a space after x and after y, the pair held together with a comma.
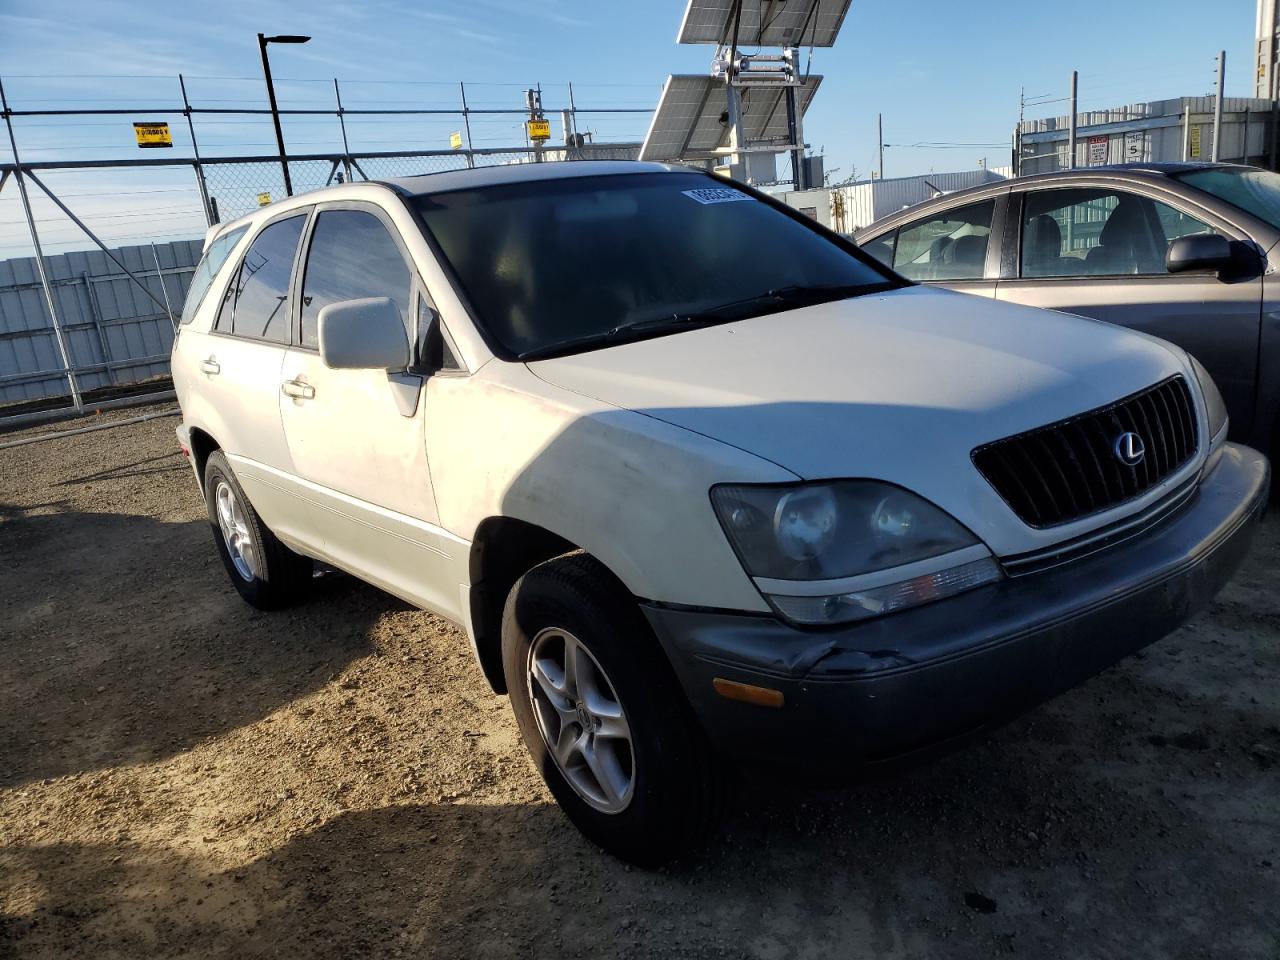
x: 581, y: 720
x: 236, y: 533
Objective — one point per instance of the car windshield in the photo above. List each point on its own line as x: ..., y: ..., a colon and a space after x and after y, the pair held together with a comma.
x: 562, y: 266
x: 1256, y: 192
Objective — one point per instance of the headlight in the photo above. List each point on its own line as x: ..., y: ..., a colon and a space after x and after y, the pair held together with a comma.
x: 830, y: 552
x: 1215, y: 410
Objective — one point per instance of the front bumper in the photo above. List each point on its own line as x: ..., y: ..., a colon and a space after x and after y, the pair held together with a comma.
x: 876, y: 690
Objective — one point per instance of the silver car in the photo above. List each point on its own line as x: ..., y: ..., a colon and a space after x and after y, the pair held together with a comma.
x: 1184, y: 251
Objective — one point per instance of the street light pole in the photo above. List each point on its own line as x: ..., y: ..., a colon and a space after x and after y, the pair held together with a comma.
x: 271, y: 96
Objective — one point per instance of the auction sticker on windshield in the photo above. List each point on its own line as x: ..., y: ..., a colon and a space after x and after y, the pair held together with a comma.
x: 714, y: 195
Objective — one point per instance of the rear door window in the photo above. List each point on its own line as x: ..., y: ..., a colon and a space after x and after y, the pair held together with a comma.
x: 951, y: 245
x: 257, y: 302
x: 1098, y: 232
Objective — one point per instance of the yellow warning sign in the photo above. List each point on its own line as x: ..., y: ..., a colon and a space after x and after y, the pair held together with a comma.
x: 455, y: 140
x: 264, y: 199
x: 1195, y: 141
x: 539, y: 130
x: 153, y: 134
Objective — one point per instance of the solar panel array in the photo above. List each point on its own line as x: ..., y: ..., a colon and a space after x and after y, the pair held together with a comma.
x: 765, y: 23
x: 689, y: 124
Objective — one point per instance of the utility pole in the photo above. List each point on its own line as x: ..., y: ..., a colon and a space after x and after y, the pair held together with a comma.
x: 880, y: 141
x: 1071, y: 136
x: 1017, y: 134
x: 533, y: 103
x: 271, y: 96
x: 1217, y: 106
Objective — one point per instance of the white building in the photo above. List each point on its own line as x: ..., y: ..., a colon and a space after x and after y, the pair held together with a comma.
x: 1153, y: 132
x: 853, y: 206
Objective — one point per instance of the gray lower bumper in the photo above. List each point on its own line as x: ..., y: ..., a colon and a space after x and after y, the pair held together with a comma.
x: 889, y: 686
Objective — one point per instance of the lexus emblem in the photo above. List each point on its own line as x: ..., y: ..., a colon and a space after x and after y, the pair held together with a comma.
x: 1130, y: 449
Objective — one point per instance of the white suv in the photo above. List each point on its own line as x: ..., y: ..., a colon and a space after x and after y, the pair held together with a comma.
x: 698, y: 478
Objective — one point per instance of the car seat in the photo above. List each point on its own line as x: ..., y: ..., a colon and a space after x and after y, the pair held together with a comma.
x: 1124, y: 246
x: 1042, y: 248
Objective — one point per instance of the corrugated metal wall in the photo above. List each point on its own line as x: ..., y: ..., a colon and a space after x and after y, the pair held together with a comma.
x: 868, y: 201
x: 1160, y: 123
x: 115, y: 333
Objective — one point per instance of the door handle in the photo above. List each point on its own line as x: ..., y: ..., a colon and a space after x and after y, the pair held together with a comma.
x: 298, y: 390
x: 210, y: 366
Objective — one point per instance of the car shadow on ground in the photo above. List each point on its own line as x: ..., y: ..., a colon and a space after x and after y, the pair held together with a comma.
x: 124, y: 642
x: 148, y: 466
x: 909, y: 867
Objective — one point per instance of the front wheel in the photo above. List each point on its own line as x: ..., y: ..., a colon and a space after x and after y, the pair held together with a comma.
x: 265, y: 572
x: 602, y: 714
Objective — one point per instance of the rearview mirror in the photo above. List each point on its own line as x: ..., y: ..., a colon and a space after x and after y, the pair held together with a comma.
x: 363, y: 335
x: 1232, y: 260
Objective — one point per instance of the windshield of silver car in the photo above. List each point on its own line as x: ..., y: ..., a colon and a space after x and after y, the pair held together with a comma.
x: 1254, y: 191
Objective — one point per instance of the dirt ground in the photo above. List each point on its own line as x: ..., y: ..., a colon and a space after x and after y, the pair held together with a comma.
x: 181, y: 776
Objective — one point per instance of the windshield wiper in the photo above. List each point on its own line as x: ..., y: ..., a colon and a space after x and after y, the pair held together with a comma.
x: 806, y: 293
x: 624, y: 331
x: 794, y: 295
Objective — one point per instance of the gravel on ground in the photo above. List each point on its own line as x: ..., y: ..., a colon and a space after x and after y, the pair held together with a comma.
x: 182, y: 776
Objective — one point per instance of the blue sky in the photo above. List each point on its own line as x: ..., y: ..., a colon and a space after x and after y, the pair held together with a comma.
x: 940, y: 71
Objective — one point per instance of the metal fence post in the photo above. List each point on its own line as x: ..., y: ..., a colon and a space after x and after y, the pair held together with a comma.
x: 346, y: 150
x: 466, y: 122
x: 209, y: 216
x: 95, y: 315
x: 155, y: 255
x: 573, y: 111
x: 63, y: 348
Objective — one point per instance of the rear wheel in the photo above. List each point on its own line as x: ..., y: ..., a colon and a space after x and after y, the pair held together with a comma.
x: 265, y: 572
x: 602, y: 714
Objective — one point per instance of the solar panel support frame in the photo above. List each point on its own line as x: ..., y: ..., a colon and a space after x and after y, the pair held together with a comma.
x: 769, y: 120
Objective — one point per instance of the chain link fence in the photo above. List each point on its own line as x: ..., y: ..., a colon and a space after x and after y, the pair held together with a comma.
x: 100, y: 364
x: 152, y: 200
x: 237, y: 187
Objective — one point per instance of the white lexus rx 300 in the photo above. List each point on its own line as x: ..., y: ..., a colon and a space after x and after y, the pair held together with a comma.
x: 698, y: 479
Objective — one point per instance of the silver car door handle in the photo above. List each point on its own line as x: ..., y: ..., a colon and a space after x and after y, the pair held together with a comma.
x: 297, y: 389
x: 210, y: 366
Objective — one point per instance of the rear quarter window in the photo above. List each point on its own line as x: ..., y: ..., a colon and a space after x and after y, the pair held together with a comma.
x: 215, y: 255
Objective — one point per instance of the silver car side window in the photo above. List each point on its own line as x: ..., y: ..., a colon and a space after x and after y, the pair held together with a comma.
x: 1099, y: 232
x: 951, y: 245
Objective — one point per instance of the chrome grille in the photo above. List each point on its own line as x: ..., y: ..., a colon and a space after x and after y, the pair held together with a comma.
x: 1071, y: 469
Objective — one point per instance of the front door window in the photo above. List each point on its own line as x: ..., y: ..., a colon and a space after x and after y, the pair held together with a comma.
x: 1098, y: 232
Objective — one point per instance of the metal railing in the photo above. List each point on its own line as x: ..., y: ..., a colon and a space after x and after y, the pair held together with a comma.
x: 230, y: 186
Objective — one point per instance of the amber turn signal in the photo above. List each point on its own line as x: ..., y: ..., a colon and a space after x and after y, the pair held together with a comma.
x: 760, y: 696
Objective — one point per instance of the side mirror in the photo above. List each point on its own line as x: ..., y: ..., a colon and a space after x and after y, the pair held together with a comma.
x: 1203, y: 251
x: 363, y: 335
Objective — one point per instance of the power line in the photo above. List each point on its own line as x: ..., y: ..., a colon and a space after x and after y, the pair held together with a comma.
x: 114, y: 193
x: 945, y: 145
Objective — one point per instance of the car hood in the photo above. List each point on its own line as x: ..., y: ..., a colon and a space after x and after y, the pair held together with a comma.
x: 899, y: 386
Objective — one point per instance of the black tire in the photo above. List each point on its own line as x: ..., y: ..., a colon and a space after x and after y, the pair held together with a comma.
x: 276, y: 576
x: 675, y: 790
